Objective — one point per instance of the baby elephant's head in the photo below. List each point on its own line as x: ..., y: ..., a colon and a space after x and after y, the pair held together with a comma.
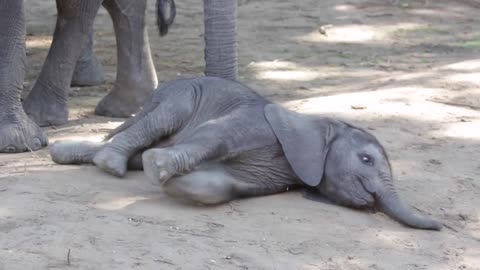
x: 341, y: 162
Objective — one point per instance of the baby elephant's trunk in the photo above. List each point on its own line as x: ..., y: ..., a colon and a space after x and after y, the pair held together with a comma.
x: 389, y: 203
x: 163, y: 21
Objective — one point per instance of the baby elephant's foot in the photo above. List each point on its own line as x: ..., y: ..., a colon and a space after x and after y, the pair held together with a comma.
x: 74, y: 152
x: 158, y: 165
x: 111, y: 161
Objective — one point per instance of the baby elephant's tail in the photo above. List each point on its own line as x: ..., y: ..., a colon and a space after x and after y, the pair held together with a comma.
x: 164, y: 22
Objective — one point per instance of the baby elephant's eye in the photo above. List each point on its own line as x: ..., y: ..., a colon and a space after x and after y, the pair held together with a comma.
x: 366, y: 159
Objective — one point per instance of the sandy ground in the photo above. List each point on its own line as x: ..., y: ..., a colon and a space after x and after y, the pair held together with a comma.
x: 408, y: 72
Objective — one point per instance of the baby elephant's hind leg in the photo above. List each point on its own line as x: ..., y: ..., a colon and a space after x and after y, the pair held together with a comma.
x: 74, y: 152
x: 160, y: 164
x: 204, y: 186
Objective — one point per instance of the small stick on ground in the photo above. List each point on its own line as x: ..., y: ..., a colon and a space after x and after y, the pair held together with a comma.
x: 31, y: 151
x: 450, y: 227
x: 68, y: 257
x: 455, y: 104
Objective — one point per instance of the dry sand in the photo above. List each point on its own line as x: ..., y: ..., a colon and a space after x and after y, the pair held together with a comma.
x: 409, y: 72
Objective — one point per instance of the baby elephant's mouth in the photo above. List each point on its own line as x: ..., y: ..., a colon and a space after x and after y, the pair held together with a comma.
x: 366, y: 201
x: 362, y: 196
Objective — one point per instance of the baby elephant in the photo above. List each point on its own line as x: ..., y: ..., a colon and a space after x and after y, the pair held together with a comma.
x: 210, y: 140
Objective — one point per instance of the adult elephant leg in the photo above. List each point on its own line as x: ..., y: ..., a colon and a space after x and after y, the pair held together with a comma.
x: 136, y: 76
x: 17, y: 132
x: 47, y: 102
x: 221, y: 38
x: 88, y: 70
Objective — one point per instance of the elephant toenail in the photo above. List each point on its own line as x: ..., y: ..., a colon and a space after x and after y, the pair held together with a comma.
x: 162, y: 174
x: 36, y: 144
x: 11, y: 149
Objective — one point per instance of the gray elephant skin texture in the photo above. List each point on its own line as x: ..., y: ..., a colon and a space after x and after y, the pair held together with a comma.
x: 210, y: 140
x: 70, y: 60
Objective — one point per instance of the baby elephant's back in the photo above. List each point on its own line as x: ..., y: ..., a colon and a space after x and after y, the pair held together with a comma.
x: 220, y: 96
x: 211, y: 98
x: 213, y: 88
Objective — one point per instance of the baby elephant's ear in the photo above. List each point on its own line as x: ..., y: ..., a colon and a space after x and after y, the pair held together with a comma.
x: 304, y: 139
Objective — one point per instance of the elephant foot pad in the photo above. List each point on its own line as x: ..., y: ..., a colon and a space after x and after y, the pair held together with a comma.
x: 111, y: 162
x: 158, y: 165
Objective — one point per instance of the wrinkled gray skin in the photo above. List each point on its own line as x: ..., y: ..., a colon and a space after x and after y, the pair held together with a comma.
x: 70, y: 56
x: 88, y: 70
x: 210, y: 140
x: 136, y: 78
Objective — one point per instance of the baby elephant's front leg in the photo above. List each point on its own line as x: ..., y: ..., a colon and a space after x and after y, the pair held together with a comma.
x: 160, y: 164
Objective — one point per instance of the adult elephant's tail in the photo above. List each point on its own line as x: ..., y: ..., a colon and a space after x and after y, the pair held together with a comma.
x: 163, y: 21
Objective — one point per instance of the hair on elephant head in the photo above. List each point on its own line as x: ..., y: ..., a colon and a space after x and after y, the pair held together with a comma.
x: 341, y: 162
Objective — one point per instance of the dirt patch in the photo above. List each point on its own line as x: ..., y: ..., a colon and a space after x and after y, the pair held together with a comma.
x: 408, y: 71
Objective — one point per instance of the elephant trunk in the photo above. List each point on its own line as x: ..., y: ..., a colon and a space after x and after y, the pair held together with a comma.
x: 220, y: 38
x: 389, y: 203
